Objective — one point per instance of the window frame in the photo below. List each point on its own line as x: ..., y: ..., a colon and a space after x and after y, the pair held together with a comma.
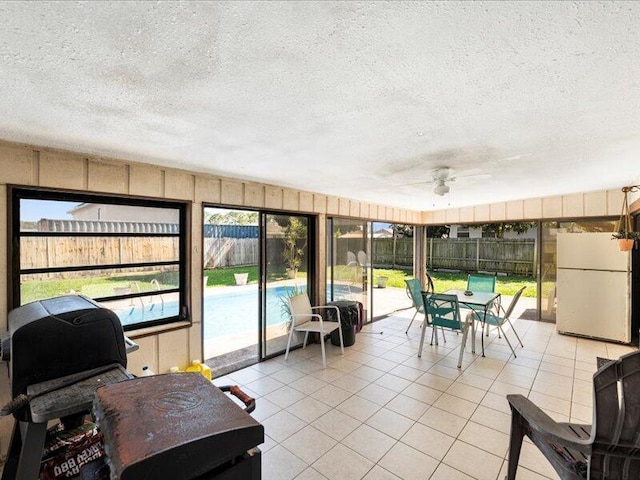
x: 16, y: 193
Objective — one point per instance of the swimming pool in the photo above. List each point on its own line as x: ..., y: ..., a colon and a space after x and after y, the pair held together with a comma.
x: 225, y: 312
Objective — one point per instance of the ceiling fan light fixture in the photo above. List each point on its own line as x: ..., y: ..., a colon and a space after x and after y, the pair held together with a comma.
x: 441, y: 189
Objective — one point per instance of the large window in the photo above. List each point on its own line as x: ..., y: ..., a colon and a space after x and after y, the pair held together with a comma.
x: 126, y: 253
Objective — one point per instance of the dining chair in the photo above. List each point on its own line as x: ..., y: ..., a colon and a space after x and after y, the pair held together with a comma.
x: 303, y: 319
x: 499, y: 320
x: 363, y: 259
x: 413, y: 288
x: 443, y: 311
x: 477, y: 282
x: 608, y: 449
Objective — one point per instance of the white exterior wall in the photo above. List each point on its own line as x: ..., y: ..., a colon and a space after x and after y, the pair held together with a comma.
x: 123, y: 213
x: 476, y: 232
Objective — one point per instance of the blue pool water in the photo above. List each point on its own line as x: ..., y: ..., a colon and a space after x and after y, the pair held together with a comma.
x: 225, y: 312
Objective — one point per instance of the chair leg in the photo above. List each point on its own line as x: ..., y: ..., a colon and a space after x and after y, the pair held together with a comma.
x: 508, y: 342
x: 412, y: 318
x: 474, y: 331
x: 324, y: 358
x: 515, y: 445
x: 516, y: 333
x: 472, y: 322
x: 444, y: 339
x: 286, y: 355
x: 464, y: 340
x: 341, y: 341
x: 424, y: 329
x: 306, y: 336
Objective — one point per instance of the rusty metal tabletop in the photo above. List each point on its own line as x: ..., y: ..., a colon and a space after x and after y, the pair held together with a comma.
x: 177, y: 426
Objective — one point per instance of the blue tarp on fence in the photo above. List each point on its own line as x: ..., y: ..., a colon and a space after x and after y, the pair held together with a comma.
x: 231, y: 231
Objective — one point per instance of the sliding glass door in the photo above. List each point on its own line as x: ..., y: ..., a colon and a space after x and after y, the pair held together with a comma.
x: 231, y: 293
x: 253, y: 261
x: 392, y: 263
x: 287, y: 268
x: 549, y: 259
x: 349, y: 269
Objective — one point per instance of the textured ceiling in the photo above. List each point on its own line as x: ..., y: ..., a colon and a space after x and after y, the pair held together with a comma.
x: 356, y: 99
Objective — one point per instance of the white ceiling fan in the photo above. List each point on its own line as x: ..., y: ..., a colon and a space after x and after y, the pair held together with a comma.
x: 442, y: 176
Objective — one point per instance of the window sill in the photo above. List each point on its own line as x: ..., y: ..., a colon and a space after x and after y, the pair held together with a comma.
x: 158, y: 329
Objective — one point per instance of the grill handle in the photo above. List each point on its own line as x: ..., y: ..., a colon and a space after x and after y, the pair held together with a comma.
x: 130, y: 345
x: 249, y: 402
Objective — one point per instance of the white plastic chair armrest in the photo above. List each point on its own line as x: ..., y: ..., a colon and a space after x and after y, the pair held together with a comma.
x: 332, y: 307
x: 308, y: 315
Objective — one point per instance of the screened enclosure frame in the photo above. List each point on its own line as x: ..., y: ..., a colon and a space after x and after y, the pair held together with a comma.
x: 15, y: 271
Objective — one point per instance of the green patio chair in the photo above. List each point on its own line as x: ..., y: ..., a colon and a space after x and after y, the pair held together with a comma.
x: 477, y: 282
x: 499, y: 320
x: 414, y: 287
x: 443, y: 311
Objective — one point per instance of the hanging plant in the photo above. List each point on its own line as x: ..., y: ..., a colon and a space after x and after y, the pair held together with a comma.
x: 625, y: 235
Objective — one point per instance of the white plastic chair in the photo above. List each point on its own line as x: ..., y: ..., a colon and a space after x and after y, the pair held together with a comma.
x: 363, y: 259
x: 304, y: 320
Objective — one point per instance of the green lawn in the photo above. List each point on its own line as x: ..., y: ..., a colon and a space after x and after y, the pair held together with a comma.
x: 507, y: 285
x: 97, y: 287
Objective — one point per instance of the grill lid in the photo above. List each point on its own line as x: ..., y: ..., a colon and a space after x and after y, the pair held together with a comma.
x: 176, y: 426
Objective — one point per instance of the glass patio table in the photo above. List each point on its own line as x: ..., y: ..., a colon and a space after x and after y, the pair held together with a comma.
x: 476, y: 299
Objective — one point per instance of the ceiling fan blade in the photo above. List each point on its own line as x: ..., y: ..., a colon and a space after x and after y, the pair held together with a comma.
x: 473, y: 178
x: 424, y: 182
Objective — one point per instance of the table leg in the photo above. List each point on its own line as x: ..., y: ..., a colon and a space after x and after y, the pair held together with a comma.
x: 484, y: 318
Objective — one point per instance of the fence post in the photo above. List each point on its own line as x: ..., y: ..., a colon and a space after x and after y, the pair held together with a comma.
x: 394, y: 249
x: 477, y: 254
x: 431, y: 252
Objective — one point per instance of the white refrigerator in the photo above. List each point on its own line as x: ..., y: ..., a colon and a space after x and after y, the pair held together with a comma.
x: 593, y: 287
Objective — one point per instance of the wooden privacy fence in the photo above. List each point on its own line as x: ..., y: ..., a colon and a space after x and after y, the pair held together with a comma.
x: 513, y: 256
x: 51, y: 252
x: 391, y: 254
x: 230, y: 252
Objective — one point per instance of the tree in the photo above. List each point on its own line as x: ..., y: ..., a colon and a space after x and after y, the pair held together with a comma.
x: 294, y: 239
x: 234, y: 217
x: 499, y: 229
x: 402, y: 231
x: 438, y: 231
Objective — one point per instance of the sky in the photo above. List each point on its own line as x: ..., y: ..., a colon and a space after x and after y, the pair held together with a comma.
x: 34, y: 210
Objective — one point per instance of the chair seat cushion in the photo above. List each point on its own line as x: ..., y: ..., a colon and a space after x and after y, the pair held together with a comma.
x: 493, y: 319
x: 327, y: 327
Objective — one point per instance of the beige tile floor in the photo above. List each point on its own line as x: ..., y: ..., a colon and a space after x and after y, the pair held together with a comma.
x: 380, y: 412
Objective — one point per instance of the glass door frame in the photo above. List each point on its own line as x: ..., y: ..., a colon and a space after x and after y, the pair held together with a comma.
x: 262, y: 283
x: 540, y: 254
x: 262, y: 268
x: 331, y: 261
